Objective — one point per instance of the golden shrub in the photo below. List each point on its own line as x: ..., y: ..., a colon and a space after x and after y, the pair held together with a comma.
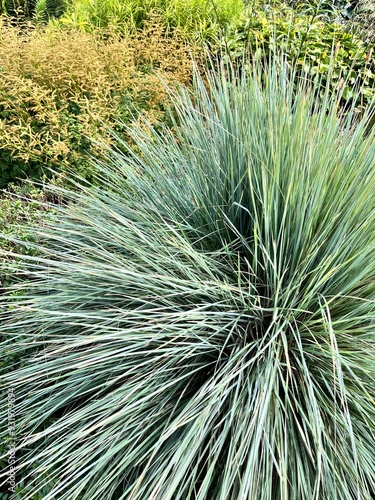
x: 58, y: 86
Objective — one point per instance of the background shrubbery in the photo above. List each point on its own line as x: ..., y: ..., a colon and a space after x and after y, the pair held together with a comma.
x: 316, y: 45
x: 62, y: 85
x: 195, y: 19
x: 364, y: 18
x: 58, y: 88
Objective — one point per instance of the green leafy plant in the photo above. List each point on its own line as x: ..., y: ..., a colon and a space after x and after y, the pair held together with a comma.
x: 331, y: 9
x: 364, y: 19
x: 202, y: 326
x: 312, y: 43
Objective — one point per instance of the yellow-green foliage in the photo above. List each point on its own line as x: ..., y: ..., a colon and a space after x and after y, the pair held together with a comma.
x: 195, y: 19
x: 59, y: 87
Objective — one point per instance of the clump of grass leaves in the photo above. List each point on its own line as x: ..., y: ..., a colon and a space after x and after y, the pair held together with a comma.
x: 202, y: 326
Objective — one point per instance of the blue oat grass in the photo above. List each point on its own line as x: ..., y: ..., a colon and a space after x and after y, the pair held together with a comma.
x: 202, y: 326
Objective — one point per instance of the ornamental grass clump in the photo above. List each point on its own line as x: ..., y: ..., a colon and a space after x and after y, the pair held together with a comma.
x: 202, y: 325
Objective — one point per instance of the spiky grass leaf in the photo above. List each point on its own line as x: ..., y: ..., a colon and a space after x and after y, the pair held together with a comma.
x: 202, y: 326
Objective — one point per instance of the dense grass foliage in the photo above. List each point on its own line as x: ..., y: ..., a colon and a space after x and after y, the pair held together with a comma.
x: 58, y: 88
x: 196, y: 19
x: 202, y: 326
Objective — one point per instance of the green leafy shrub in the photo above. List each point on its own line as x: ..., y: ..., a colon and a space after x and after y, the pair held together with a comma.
x: 310, y: 41
x: 331, y: 9
x: 357, y: 14
x: 204, y: 322
x: 13, y: 168
x: 364, y: 18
